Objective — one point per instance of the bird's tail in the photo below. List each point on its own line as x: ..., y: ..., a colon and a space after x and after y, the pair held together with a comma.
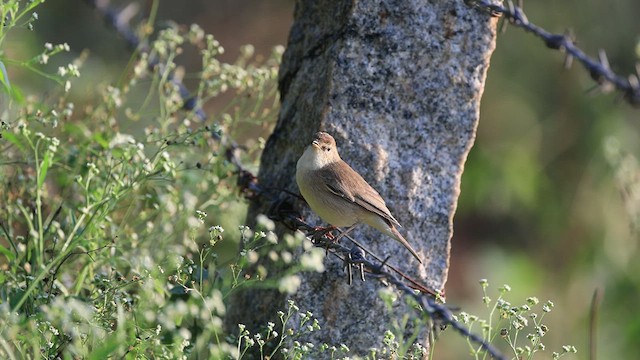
x: 396, y: 235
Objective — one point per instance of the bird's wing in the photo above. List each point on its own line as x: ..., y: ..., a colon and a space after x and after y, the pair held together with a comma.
x: 355, y: 189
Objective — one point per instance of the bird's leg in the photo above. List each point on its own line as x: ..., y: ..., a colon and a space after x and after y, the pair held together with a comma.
x: 320, y: 232
x: 323, y: 231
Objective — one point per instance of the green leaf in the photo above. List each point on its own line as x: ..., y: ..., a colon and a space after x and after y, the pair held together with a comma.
x: 106, y: 350
x: 13, y: 91
x: 12, y: 138
x: 4, y: 78
x: 44, y: 167
x: 16, y: 94
x: 101, y: 140
x: 6, y: 252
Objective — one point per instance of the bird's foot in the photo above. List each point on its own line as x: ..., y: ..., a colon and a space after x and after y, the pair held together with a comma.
x: 323, y: 235
x: 323, y: 231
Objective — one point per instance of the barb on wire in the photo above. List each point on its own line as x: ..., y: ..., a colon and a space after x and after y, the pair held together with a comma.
x: 598, y: 69
x: 284, y: 212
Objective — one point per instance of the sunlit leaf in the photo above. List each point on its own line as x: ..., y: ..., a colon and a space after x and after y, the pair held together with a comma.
x: 4, y: 78
x: 6, y: 252
x: 44, y: 167
x: 12, y: 138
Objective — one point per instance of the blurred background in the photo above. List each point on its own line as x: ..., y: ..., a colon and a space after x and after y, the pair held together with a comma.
x: 550, y: 200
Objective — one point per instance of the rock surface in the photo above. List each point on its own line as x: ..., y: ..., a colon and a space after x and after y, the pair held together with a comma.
x: 398, y: 84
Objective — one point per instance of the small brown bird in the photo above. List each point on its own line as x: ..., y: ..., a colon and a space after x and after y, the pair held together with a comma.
x: 338, y: 194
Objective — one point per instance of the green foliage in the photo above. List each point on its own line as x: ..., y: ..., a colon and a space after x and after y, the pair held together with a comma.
x: 549, y: 186
x: 106, y: 248
x: 15, y: 14
x: 401, y: 339
x: 520, y: 326
x: 304, y: 323
x: 513, y: 329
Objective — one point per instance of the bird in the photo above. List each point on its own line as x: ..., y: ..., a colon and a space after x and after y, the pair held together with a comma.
x: 339, y: 195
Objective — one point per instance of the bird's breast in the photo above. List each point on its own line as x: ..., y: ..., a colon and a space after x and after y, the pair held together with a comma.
x: 330, y: 207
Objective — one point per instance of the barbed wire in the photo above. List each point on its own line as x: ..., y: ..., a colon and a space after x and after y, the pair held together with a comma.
x: 119, y: 21
x: 283, y: 211
x: 599, y: 70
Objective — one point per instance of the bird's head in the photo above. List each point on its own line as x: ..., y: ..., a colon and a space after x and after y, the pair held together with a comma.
x: 323, y: 150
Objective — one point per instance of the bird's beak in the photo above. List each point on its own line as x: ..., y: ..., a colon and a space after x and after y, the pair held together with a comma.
x: 316, y: 144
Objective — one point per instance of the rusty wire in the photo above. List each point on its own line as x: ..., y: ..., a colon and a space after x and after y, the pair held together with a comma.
x: 283, y: 210
x: 599, y: 69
